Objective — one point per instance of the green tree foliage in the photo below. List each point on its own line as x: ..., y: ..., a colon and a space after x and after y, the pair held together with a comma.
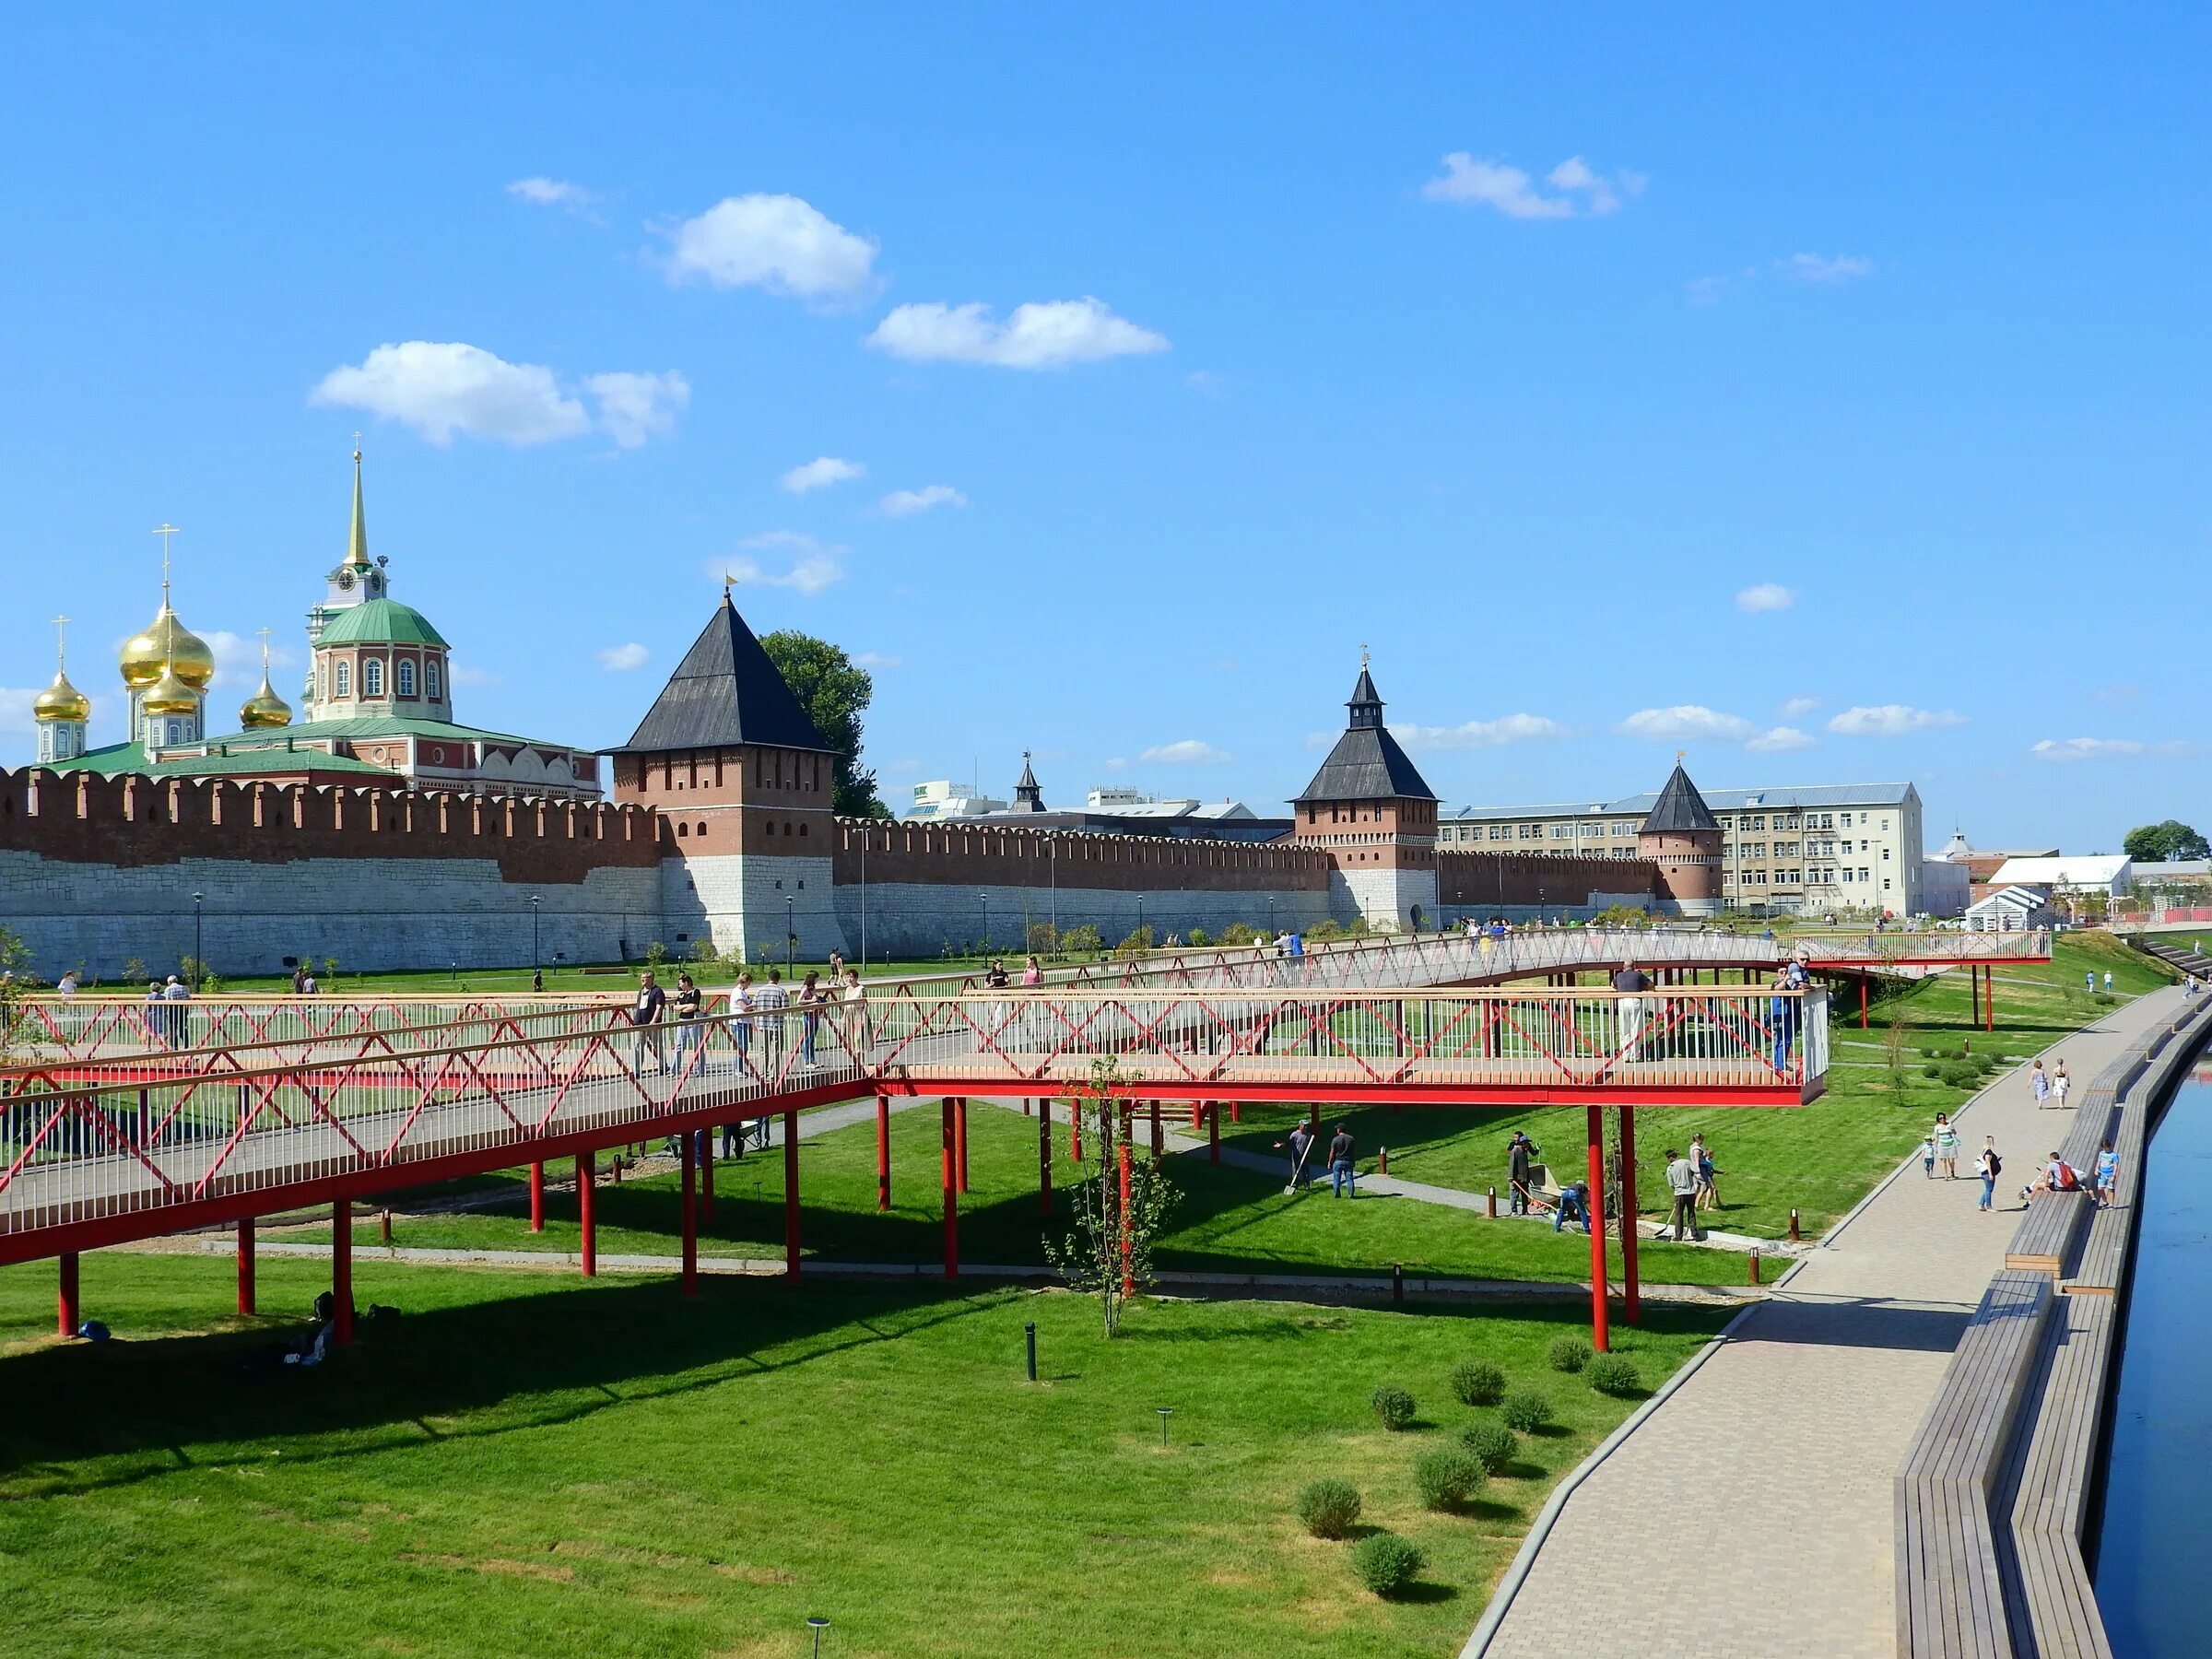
x: 2162, y: 842
x: 835, y: 693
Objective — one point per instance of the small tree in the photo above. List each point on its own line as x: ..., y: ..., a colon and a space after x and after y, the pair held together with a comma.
x: 1043, y: 939
x: 1081, y: 940
x: 655, y: 954
x: 330, y: 972
x: 1897, y: 1054
x: 133, y: 971
x: 16, y: 986
x: 1136, y: 944
x: 1117, y: 1213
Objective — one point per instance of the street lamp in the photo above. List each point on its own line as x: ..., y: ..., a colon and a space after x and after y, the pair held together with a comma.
x: 791, y: 932
x: 1052, y: 866
x: 535, y: 962
x: 867, y: 834
x: 199, y: 960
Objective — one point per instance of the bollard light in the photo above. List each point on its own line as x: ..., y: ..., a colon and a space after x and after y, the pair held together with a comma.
x: 1030, y: 1332
x: 817, y: 1624
x: 1165, y: 1413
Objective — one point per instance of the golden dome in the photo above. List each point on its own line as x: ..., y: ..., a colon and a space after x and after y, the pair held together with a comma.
x: 265, y: 710
x: 167, y: 645
x: 169, y: 694
x: 61, y: 701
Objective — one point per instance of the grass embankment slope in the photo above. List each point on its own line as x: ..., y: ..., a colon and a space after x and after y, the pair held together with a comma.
x: 1819, y: 1158
x: 529, y: 1463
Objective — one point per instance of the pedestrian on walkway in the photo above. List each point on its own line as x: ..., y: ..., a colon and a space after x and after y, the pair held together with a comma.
x: 176, y: 994
x: 2038, y: 1085
x: 771, y: 1000
x: 2060, y: 1082
x: 1574, y: 1206
x: 1300, y: 1144
x: 1947, y: 1146
x: 688, y: 1005
x: 300, y: 980
x: 1682, y: 1181
x: 1520, y: 1152
x: 1927, y: 1156
x: 741, y: 1021
x: 1343, y: 1181
x: 854, y: 1017
x: 1989, y: 1166
x: 2107, y: 1174
x: 2088, y: 981
x: 810, y: 1016
x: 645, y: 1021
x: 1709, y: 1183
x: 2108, y: 982
x: 157, y: 1012
x: 1632, y: 982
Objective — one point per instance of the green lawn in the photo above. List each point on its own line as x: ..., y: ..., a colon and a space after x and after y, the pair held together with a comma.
x: 531, y: 1464
x: 1819, y: 1158
x: 1229, y: 1219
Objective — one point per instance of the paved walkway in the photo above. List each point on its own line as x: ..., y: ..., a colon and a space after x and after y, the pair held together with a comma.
x: 1752, y: 1512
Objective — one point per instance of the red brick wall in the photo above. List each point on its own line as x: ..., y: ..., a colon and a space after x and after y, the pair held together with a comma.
x: 1474, y: 879
x: 761, y: 800
x: 953, y: 855
x: 134, y: 822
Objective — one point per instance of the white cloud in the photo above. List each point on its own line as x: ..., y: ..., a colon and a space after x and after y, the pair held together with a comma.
x: 777, y: 242
x: 1798, y: 707
x: 14, y: 709
x: 1892, y: 720
x: 820, y: 473
x: 1189, y: 751
x: 1047, y: 334
x: 904, y: 503
x: 1708, y: 290
x: 2108, y: 749
x: 1765, y: 596
x: 905, y: 766
x: 556, y: 193
x: 876, y: 659
x: 622, y: 659
x: 1825, y: 267
x: 238, y: 658
x: 814, y: 565
x: 439, y: 388
x: 1473, y: 183
x: 2122, y: 692
x: 1118, y: 764
x: 1779, y: 740
x: 1206, y: 382
x: 1686, y: 720
x: 461, y: 673
x: 1481, y: 733
x: 634, y: 408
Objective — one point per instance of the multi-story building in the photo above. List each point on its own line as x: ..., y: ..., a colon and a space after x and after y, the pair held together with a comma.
x: 1819, y: 847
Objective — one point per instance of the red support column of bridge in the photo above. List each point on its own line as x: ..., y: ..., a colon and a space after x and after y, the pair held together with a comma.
x: 587, y: 1228
x: 1631, y: 1299
x: 883, y: 1153
x: 1863, y: 978
x: 245, y: 1265
x: 1075, y: 1129
x: 65, y: 1309
x: 1160, y: 1145
x: 537, y: 1197
x: 1989, y: 976
x: 959, y: 1138
x: 951, y: 1183
x: 791, y: 1195
x: 1213, y: 1132
x: 1128, y: 1248
x: 706, y: 1172
x: 1044, y: 1154
x: 341, y: 1270
x: 688, y: 1216
x: 1597, y: 1228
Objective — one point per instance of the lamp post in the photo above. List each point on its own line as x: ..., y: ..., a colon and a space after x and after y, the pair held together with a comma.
x: 791, y: 932
x: 986, y: 939
x: 867, y: 834
x: 817, y: 1624
x: 199, y: 960
x: 535, y: 962
x: 1051, y: 868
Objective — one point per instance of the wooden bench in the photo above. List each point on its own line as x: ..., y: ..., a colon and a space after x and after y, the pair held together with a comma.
x: 2049, y: 1237
x: 2044, y: 1490
x: 1949, y: 1596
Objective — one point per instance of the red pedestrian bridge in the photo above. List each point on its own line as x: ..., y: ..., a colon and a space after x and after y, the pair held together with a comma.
x: 127, y: 1123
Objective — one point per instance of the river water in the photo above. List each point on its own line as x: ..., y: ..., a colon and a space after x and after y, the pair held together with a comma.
x: 2155, y: 1546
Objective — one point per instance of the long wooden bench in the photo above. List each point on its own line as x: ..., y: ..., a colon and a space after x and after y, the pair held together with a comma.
x: 1950, y: 1599
x: 2045, y: 1491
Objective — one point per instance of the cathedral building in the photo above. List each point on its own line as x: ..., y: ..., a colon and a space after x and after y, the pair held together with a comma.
x: 378, y: 704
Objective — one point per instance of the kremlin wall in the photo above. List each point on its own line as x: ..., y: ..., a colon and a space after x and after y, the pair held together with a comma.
x: 382, y: 834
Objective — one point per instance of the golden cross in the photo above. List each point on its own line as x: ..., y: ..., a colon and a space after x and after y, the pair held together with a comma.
x: 60, y: 644
x: 265, y: 652
x: 356, y: 449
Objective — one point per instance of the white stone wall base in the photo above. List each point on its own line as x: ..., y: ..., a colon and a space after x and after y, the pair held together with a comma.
x: 926, y: 919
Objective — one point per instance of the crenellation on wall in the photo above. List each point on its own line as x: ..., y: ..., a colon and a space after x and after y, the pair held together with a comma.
x: 928, y: 854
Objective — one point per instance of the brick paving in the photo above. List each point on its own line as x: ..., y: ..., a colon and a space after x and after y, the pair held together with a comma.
x: 1751, y: 1513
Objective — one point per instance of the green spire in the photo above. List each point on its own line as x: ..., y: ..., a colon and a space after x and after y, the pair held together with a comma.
x: 357, y: 540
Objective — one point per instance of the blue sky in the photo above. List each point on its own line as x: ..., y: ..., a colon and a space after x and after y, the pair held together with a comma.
x: 1819, y: 391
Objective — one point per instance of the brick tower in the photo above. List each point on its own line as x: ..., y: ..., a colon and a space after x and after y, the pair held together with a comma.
x: 742, y: 780
x: 1681, y: 836
x: 1375, y: 813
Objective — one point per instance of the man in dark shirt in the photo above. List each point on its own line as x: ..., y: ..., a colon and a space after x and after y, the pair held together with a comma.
x: 1632, y: 982
x: 645, y: 1015
x: 1343, y: 1179
x: 1519, y: 1153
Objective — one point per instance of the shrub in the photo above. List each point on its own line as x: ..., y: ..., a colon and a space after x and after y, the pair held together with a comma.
x: 1393, y: 1406
x: 1386, y: 1563
x: 1568, y: 1354
x: 1611, y: 1374
x: 1081, y: 940
x: 1327, y: 1508
x: 1447, y: 1477
x: 1490, y: 1444
x: 1526, y: 1410
x: 1477, y: 1383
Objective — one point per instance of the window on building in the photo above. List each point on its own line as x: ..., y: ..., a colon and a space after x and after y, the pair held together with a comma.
x: 430, y: 679
x: 405, y: 671
x: 1562, y: 831
x: 341, y: 684
x: 1843, y: 821
x: 1885, y: 860
x: 1501, y: 831
x: 372, y: 676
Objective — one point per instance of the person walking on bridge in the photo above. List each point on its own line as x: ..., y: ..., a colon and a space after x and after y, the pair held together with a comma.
x: 1682, y: 1181
x: 1632, y: 982
x: 645, y: 1019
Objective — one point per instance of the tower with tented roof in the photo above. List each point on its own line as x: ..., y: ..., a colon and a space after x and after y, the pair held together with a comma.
x: 1683, y: 838
x: 1369, y: 808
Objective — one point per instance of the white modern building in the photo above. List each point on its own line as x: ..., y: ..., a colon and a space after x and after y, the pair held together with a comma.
x: 2106, y: 873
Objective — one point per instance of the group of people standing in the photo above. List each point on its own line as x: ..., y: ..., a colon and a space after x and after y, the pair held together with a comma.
x: 770, y: 1010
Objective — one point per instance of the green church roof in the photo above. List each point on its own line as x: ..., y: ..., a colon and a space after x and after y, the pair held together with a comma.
x: 381, y: 622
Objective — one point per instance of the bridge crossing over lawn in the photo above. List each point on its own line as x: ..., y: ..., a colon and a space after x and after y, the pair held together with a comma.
x: 121, y: 1127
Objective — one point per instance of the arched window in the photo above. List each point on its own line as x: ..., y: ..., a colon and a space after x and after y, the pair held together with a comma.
x: 342, y: 680
x: 407, y: 676
x: 372, y: 676
x: 430, y: 679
